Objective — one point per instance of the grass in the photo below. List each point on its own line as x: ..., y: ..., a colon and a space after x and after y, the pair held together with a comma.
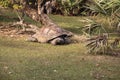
x: 34, y: 61
x: 67, y: 23
x: 20, y: 60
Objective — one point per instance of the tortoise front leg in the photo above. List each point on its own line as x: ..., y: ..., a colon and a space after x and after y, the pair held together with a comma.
x: 58, y: 41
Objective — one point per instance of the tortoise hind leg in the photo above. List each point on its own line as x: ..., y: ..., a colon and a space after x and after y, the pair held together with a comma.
x: 67, y: 40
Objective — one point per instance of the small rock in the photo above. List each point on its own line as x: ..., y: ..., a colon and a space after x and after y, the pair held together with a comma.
x: 9, y: 72
x: 54, y: 70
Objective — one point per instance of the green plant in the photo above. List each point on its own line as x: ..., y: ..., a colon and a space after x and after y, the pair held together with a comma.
x: 70, y: 7
x: 106, y: 7
x: 92, y: 28
x: 5, y: 3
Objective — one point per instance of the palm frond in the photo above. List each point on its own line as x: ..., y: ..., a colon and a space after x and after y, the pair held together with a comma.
x: 92, y: 28
x: 96, y: 7
x: 98, y: 44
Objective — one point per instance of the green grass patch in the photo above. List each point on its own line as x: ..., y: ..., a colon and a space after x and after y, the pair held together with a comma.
x: 70, y: 23
x: 35, y: 61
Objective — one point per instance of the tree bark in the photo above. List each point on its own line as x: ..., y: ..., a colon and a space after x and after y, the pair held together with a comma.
x: 39, y: 15
x: 49, y: 30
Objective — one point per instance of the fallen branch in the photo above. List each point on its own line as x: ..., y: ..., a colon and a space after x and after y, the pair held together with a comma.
x: 26, y: 27
x: 33, y: 28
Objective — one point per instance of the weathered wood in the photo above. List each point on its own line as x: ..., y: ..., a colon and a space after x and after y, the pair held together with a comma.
x: 42, y: 18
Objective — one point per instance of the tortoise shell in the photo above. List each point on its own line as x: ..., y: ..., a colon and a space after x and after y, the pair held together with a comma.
x: 46, y: 34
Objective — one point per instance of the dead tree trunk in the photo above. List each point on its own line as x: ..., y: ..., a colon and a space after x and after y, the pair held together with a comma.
x: 39, y: 15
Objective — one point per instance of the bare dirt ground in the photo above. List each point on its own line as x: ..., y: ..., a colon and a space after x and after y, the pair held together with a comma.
x: 13, y: 32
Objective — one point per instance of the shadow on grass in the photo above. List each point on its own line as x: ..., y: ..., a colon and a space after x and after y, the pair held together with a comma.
x: 8, y: 18
x: 11, y: 44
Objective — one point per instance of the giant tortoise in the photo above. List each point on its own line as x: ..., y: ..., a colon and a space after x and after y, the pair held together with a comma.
x: 52, y: 34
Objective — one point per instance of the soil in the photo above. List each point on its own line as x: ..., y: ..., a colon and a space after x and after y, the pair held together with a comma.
x: 13, y: 32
